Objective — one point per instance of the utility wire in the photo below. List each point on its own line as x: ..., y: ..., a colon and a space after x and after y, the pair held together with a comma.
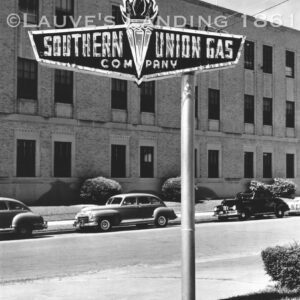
x: 271, y: 7
x: 238, y: 13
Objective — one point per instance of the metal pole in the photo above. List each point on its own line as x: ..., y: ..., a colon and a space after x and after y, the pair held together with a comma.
x: 187, y: 187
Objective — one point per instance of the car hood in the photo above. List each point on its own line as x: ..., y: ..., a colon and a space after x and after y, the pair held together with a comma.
x: 96, y: 208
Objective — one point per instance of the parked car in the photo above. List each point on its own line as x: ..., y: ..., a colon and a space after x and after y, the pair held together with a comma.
x: 16, y: 217
x: 246, y: 205
x: 125, y: 209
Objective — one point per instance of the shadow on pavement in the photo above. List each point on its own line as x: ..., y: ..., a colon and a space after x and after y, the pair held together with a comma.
x: 12, y: 237
x: 272, y: 295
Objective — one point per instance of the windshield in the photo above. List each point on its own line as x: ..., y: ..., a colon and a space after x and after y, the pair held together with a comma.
x: 114, y: 200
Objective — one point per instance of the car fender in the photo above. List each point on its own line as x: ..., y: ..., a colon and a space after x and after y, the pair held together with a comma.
x: 110, y: 213
x: 28, y: 218
x: 166, y: 211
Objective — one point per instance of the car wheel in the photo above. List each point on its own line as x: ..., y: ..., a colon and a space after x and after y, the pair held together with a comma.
x: 279, y: 213
x: 244, y: 216
x: 24, y: 231
x: 161, y: 221
x: 104, y: 224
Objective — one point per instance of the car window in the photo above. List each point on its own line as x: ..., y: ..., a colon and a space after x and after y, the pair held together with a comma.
x: 114, y: 200
x: 3, y: 206
x: 16, y: 206
x: 129, y: 201
x: 154, y: 201
x: 144, y: 200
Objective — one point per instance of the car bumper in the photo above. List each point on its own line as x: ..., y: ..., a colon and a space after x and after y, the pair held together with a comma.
x: 81, y: 224
x: 40, y: 226
x: 225, y: 214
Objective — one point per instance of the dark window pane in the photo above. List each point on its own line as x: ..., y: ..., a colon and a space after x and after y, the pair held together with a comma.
x: 248, y: 165
x: 118, y: 161
x: 63, y: 90
x: 148, y: 97
x: 267, y: 59
x: 62, y: 159
x: 290, y: 114
x: 267, y: 165
x: 25, y: 158
x: 249, y: 109
x: 213, y: 104
x: 64, y: 9
x: 116, y: 13
x: 196, y: 163
x: 147, y: 162
x: 213, y: 164
x: 119, y: 94
x: 290, y: 64
x: 27, y: 79
x: 249, y: 55
x: 290, y: 166
x: 31, y: 9
x: 267, y: 112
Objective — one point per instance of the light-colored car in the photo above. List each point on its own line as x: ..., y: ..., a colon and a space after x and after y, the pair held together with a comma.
x: 16, y: 217
x: 126, y: 209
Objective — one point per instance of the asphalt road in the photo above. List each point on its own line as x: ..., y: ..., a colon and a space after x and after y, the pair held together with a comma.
x: 221, y: 248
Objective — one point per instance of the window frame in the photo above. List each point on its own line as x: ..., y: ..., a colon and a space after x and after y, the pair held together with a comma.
x: 27, y: 168
x: 214, y: 104
x: 267, y: 114
x: 113, y: 172
x: 267, y: 59
x: 213, y: 169
x: 249, y: 55
x: 32, y: 14
x: 147, y: 97
x: 290, y: 173
x: 249, y: 114
x: 248, y: 165
x: 61, y: 12
x: 63, y: 91
x: 57, y: 162
x: 290, y: 115
x: 268, y: 173
x: 149, y: 172
x: 289, y: 64
x: 119, y: 91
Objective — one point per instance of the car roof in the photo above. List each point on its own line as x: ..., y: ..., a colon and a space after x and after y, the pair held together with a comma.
x: 11, y: 200
x: 135, y: 195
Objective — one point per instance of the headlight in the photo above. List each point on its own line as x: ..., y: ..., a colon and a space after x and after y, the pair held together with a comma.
x: 234, y: 207
x: 215, y: 209
x: 91, y: 216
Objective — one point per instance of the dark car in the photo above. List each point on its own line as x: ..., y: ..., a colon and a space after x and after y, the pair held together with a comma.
x: 16, y: 217
x: 246, y: 205
x: 125, y: 209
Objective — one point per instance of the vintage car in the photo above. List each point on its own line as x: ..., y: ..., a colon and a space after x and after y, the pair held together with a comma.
x: 16, y: 217
x: 246, y: 205
x: 125, y: 209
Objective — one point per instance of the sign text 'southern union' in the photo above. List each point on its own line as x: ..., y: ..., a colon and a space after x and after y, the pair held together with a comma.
x: 137, y: 50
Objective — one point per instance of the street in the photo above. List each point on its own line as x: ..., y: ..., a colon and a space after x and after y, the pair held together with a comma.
x: 226, y: 252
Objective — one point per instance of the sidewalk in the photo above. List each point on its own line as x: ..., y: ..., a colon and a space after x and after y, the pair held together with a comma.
x: 67, y: 225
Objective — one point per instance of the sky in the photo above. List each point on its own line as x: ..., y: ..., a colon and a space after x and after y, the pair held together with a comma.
x: 288, y: 12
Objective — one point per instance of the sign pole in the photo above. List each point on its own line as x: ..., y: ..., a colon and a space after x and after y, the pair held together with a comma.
x: 187, y: 187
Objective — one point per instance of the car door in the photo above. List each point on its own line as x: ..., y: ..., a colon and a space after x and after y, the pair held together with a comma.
x: 16, y: 208
x: 129, y: 208
x: 5, y: 218
x: 146, y: 208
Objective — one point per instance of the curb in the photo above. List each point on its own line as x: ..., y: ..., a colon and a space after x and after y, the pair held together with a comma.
x: 66, y: 226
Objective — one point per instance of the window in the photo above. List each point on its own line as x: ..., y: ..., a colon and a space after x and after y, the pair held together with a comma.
x: 267, y: 59
x: 249, y: 109
x: 147, y: 162
x: 267, y: 112
x: 267, y: 165
x: 3, y: 205
x: 196, y: 101
x: 143, y: 200
x: 118, y: 161
x: 290, y: 114
x: 290, y: 166
x: 249, y: 55
x: 213, y: 104
x: 129, y: 201
x: 62, y: 159
x: 118, y: 94
x: 16, y: 206
x: 290, y: 64
x: 116, y: 13
x: 63, y: 90
x: 27, y: 79
x: 31, y: 9
x: 148, y: 97
x: 248, y: 165
x: 64, y: 9
x: 213, y: 164
x: 25, y: 158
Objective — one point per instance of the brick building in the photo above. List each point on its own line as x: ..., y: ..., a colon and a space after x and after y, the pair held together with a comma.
x: 59, y: 127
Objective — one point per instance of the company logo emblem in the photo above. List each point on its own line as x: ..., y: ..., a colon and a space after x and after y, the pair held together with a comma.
x: 138, y: 50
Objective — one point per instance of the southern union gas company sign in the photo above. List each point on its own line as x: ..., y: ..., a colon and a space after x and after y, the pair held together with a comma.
x: 137, y: 50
